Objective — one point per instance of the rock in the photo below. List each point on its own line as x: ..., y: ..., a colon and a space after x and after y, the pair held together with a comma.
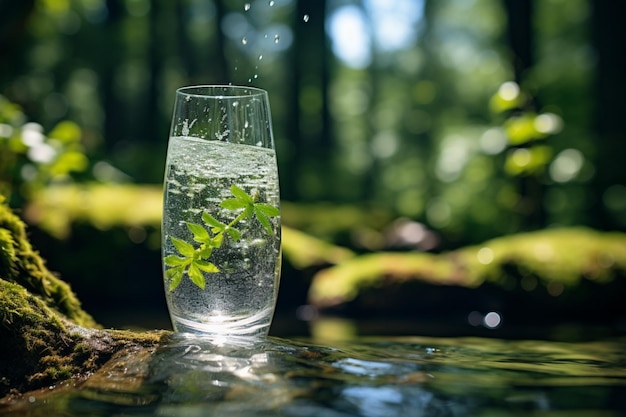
x: 46, y: 335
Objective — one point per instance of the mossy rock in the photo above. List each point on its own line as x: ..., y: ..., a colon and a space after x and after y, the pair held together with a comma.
x: 21, y: 264
x: 577, y: 269
x: 46, y: 335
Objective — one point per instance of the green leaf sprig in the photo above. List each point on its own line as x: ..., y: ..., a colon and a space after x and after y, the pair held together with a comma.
x: 195, y: 260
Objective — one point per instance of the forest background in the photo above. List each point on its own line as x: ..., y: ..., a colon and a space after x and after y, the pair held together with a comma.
x: 405, y: 125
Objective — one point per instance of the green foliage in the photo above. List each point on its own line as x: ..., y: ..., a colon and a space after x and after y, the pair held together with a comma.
x: 194, y: 261
x: 526, y: 131
x: 411, y: 132
x: 30, y: 159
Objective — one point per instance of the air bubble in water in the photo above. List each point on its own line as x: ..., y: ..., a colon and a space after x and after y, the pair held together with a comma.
x: 244, y: 41
x: 246, y: 7
x: 305, y: 18
x: 276, y: 38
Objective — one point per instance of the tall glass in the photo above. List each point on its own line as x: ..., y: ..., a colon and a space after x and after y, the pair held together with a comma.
x: 221, y: 220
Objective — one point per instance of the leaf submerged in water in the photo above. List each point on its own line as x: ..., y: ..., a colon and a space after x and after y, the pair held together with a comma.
x: 194, y: 261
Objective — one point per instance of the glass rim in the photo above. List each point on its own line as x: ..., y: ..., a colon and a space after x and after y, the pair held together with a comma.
x: 212, y: 90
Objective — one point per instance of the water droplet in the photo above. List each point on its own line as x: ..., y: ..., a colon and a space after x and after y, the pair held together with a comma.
x: 244, y: 41
x: 276, y: 38
x: 256, y: 76
x: 260, y: 57
x: 271, y: 3
x: 235, y: 104
x: 305, y: 18
x: 246, y: 7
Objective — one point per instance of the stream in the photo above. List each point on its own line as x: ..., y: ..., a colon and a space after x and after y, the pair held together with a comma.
x: 370, y: 376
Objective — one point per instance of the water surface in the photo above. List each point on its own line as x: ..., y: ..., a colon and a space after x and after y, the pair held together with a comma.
x: 386, y: 377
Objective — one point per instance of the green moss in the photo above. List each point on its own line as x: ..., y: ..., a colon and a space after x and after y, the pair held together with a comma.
x: 565, y: 256
x: 45, y: 335
x: 104, y: 206
x: 29, y: 331
x: 304, y: 250
x: 21, y: 264
x: 554, y: 256
x: 40, y: 347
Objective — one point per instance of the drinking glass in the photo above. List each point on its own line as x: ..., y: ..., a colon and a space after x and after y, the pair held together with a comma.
x: 221, y: 242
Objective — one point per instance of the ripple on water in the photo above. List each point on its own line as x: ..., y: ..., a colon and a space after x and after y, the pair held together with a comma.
x: 189, y: 376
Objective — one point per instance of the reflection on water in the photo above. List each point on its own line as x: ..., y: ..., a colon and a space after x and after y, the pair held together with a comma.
x: 370, y: 377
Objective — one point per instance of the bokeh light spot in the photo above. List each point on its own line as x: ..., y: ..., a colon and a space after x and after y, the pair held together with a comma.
x: 492, y: 320
x: 509, y: 91
x: 485, y: 256
x: 566, y: 165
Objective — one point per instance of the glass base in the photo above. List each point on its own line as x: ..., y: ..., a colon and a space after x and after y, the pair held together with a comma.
x: 257, y: 325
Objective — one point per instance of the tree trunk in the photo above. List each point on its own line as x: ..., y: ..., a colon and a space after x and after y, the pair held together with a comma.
x: 610, y: 90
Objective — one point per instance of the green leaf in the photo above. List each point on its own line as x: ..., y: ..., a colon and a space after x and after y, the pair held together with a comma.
x: 200, y: 234
x: 206, y: 251
x: 241, y: 194
x: 196, y: 276
x: 195, y: 262
x: 183, y: 247
x: 234, y: 234
x: 206, y: 266
x: 216, y: 242
x: 234, y: 204
x: 266, y: 209
x: 173, y: 260
x: 265, y: 222
x: 248, y: 211
x: 212, y: 221
x: 175, y: 275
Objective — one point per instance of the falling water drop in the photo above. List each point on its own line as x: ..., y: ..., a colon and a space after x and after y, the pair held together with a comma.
x: 305, y: 18
x: 271, y: 3
x: 260, y: 57
x: 244, y: 41
x: 246, y: 7
x: 276, y: 38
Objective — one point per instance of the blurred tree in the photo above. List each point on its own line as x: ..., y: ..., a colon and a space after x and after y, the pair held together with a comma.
x: 381, y: 103
x: 308, y: 123
x: 13, y: 23
x: 608, y: 188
